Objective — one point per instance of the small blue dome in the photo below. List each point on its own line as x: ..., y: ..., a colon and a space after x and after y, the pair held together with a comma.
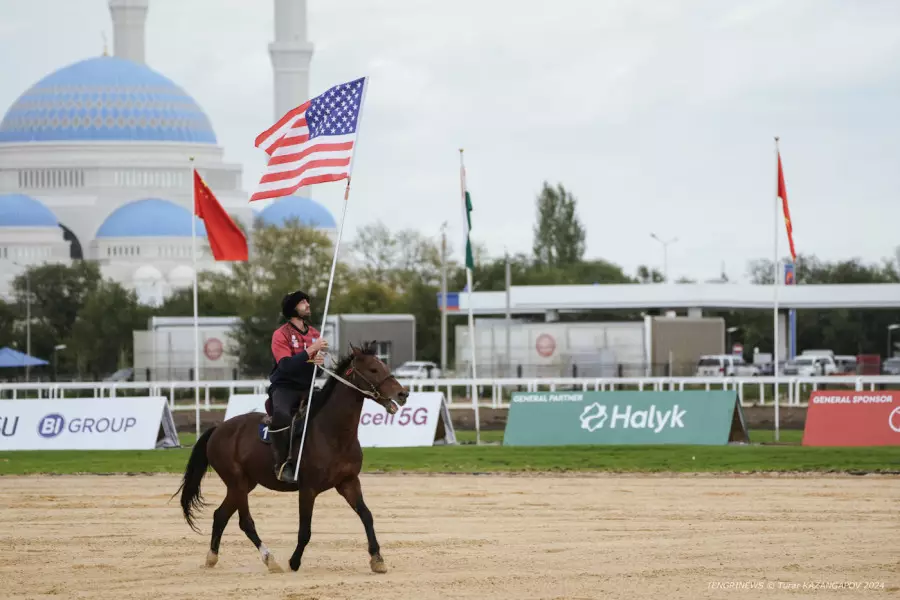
x: 150, y: 217
x: 307, y: 211
x: 19, y: 210
x: 106, y: 98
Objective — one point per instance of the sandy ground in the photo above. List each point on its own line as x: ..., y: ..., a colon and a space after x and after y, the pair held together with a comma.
x: 463, y: 537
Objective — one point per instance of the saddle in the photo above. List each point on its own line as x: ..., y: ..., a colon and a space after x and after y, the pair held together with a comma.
x: 266, y: 422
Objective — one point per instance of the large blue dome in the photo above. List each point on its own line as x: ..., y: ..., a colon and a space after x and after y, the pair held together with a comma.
x: 307, y: 211
x: 19, y: 210
x: 106, y: 98
x: 150, y: 217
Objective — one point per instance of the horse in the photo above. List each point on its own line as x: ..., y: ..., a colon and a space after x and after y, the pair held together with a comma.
x: 332, y: 457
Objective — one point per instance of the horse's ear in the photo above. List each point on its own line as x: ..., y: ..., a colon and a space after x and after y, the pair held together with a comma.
x: 353, y: 349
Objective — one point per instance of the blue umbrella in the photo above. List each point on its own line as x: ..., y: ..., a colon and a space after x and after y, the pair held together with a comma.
x: 14, y: 358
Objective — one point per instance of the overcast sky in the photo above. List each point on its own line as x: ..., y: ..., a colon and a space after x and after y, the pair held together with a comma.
x: 658, y: 116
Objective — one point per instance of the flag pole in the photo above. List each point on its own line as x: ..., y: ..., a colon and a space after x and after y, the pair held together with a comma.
x: 337, y: 247
x: 196, y: 316
x: 469, y: 286
x: 775, y: 271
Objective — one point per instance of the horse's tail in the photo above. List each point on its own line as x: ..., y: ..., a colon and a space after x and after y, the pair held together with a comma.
x: 191, y: 498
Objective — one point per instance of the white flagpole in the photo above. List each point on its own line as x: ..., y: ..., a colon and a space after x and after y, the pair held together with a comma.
x: 337, y: 247
x: 196, y: 316
x: 775, y: 264
x: 474, y: 387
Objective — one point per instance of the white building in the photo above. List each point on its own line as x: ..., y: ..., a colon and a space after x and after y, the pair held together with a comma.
x: 95, y: 162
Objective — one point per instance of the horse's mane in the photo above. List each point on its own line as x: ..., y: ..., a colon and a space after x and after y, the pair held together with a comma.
x: 320, y: 397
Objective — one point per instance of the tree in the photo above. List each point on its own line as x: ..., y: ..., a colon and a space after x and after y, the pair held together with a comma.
x: 8, y: 317
x: 58, y: 293
x: 558, y: 234
x: 102, y: 338
x: 647, y: 275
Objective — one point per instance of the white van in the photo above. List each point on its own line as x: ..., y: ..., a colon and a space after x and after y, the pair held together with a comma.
x: 725, y: 365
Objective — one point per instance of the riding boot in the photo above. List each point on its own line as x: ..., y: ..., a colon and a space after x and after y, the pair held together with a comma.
x: 284, y: 466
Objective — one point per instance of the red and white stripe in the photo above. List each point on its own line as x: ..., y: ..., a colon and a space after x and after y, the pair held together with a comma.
x: 296, y: 161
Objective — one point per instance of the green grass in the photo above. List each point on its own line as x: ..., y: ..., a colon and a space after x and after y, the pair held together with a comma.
x: 760, y: 456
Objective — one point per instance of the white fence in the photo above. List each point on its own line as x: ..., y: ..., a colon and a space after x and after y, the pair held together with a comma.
x: 492, y: 393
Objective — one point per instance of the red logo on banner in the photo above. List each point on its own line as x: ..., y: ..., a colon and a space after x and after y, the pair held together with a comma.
x: 853, y: 419
x: 545, y: 345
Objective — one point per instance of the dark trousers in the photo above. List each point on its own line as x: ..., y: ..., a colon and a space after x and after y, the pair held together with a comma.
x: 285, y: 403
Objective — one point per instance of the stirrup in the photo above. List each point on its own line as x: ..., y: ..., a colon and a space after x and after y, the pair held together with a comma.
x: 285, y: 476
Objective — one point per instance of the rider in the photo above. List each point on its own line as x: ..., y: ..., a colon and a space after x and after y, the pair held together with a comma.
x: 296, y: 346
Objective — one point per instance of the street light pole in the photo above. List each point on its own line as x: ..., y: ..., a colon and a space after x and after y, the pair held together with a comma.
x: 665, y: 245
x: 444, y: 299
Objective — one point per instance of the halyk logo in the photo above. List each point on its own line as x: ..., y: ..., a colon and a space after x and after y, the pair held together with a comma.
x: 894, y: 419
x: 595, y: 416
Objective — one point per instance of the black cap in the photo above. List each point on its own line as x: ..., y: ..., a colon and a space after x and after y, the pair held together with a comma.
x: 290, y: 302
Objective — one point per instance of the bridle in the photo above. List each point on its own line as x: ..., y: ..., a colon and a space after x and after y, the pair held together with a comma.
x: 374, y: 388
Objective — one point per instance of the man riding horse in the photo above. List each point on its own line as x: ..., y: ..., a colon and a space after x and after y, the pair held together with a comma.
x: 296, y: 347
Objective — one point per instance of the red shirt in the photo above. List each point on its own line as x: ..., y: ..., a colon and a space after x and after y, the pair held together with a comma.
x: 287, y: 341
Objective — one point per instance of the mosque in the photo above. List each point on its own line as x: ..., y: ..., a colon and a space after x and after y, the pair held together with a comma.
x: 95, y: 163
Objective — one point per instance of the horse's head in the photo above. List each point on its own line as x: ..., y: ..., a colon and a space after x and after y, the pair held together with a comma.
x: 371, y: 375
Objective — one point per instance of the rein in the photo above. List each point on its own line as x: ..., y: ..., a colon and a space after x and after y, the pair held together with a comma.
x: 374, y: 393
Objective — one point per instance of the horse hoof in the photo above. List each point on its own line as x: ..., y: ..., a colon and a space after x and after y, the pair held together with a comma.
x: 294, y: 564
x: 377, y: 564
x: 273, y: 565
x: 211, y: 559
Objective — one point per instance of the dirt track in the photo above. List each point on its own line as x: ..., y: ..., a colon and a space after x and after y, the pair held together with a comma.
x: 461, y: 537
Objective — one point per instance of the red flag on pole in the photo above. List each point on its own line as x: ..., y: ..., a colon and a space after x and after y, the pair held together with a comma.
x: 226, y: 240
x: 782, y: 193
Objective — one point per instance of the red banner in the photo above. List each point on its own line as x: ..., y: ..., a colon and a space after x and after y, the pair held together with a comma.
x: 853, y: 419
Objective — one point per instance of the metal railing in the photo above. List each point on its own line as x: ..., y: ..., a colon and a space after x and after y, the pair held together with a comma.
x: 491, y: 392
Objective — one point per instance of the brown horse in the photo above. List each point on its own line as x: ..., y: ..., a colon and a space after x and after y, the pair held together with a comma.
x: 332, y: 457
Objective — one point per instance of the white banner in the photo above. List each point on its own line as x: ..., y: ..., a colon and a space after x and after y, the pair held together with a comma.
x: 122, y: 423
x: 415, y: 424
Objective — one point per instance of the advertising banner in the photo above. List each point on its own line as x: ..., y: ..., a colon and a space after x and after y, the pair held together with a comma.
x: 423, y: 421
x: 578, y: 418
x: 122, y: 423
x: 852, y: 419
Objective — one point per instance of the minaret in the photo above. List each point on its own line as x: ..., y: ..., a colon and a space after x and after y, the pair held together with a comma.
x: 291, y: 54
x: 129, y: 18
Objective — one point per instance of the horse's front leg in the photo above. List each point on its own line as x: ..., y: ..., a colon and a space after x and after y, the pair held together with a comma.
x: 351, y: 490
x: 307, y: 502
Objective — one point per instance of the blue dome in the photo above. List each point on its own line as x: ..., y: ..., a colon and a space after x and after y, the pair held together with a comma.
x: 150, y: 217
x: 106, y: 98
x: 307, y: 211
x: 19, y: 210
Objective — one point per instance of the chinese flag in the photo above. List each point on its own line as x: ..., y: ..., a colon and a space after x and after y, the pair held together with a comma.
x: 782, y: 193
x: 226, y: 240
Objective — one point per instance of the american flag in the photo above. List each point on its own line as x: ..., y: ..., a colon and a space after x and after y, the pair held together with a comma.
x: 312, y: 143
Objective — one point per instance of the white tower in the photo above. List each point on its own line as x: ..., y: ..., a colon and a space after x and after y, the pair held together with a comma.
x: 291, y: 54
x: 129, y: 18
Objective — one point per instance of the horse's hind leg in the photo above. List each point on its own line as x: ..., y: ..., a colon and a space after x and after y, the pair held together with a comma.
x: 351, y: 490
x: 249, y: 528
x: 220, y: 520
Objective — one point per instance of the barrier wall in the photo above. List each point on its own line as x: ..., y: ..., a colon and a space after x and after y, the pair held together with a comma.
x: 853, y: 419
x: 423, y: 421
x: 579, y: 418
x: 141, y: 423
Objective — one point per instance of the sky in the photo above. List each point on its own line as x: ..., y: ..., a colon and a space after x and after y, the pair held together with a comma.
x: 659, y: 116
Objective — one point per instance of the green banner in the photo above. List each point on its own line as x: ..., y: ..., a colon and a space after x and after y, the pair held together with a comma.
x: 567, y: 418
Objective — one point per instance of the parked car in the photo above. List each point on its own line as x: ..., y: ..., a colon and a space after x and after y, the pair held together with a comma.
x: 810, y: 366
x: 891, y: 366
x: 725, y: 365
x: 417, y: 369
x: 846, y: 364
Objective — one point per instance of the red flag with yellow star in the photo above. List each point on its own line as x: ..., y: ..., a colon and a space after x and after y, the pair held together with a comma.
x: 226, y: 240
x: 782, y: 193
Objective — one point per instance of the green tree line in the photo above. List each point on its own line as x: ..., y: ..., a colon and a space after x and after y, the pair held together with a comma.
x: 385, y: 271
